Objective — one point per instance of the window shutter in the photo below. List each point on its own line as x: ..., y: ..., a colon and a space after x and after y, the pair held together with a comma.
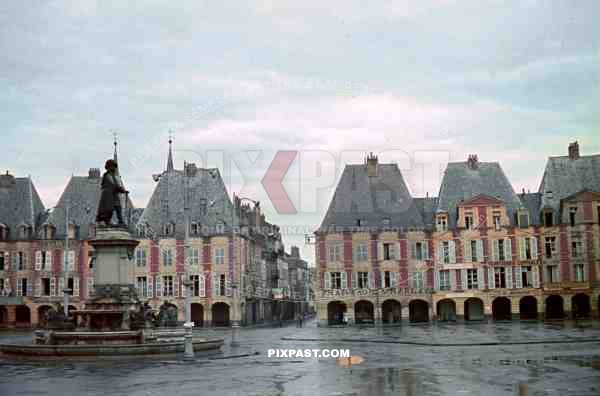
x: 467, y: 250
x: 354, y: 280
x: 214, y: 285
x: 76, y: 286
x: 522, y: 254
x: 452, y: 248
x: 480, y: 278
x: 508, y: 249
x: 463, y: 279
x: 25, y: 267
x: 535, y: 276
x: 479, y: 244
x: 176, y: 285
x: 344, y: 279
x: 425, y: 250
x: 413, y: 250
x: 29, y: 290
x: 52, y: 287
x: 518, y: 278
x: 509, y: 277
x: 90, y: 286
x: 19, y: 288
x: 440, y: 253
x: 370, y: 280
x: 15, y: 261
x: 452, y: 279
x: 491, y: 284
x: 202, y: 286
x: 61, y: 286
x: 184, y: 289
x: 395, y: 252
x: 355, y: 253
x: 393, y: 279
x: 496, y: 250
x: 534, y: 247
x: 38, y: 287
x: 228, y: 290
x: 159, y: 289
x: 150, y: 285
x: 327, y: 280
x: 380, y: 251
x: 38, y: 260
x: 436, y: 280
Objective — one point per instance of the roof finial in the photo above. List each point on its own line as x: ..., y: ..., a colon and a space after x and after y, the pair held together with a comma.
x: 115, y: 135
x: 170, y: 158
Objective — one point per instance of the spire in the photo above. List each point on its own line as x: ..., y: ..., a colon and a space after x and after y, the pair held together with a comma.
x: 114, y: 132
x: 170, y: 159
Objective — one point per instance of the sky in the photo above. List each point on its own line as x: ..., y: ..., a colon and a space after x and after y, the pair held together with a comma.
x: 421, y: 83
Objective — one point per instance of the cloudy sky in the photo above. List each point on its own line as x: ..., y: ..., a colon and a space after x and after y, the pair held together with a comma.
x: 437, y: 79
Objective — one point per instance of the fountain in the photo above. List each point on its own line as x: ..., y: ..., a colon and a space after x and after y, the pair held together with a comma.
x: 114, y: 321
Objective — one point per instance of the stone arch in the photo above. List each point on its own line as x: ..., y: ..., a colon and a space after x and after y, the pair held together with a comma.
x: 42, y: 310
x: 23, y: 315
x: 418, y: 311
x: 364, y: 312
x: 220, y: 314
x: 391, y: 311
x: 335, y: 312
x: 197, y: 314
x: 501, y: 308
x: 528, y: 308
x: 580, y: 306
x: 474, y: 309
x: 554, y: 307
x: 446, y: 310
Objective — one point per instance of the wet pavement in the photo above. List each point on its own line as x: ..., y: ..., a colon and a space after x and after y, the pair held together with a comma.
x: 406, y: 360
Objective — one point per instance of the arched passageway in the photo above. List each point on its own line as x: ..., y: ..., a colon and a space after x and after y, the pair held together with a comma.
x: 220, y: 314
x: 335, y: 312
x: 42, y: 312
x: 364, y: 312
x: 474, y: 309
x: 501, y: 309
x: 554, y: 307
x: 418, y: 311
x: 446, y: 310
x: 528, y: 308
x: 197, y: 314
x: 22, y: 316
x: 580, y: 306
x: 391, y: 311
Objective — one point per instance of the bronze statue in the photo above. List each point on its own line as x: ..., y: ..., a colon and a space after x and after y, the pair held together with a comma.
x: 109, y: 197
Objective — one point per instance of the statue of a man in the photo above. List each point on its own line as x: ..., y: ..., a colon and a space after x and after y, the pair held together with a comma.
x: 109, y: 198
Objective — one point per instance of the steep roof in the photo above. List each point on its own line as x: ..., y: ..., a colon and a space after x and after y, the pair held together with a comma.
x: 564, y: 176
x: 427, y: 207
x: 462, y: 182
x: 532, y: 202
x: 19, y: 203
x: 205, y: 189
x: 371, y: 199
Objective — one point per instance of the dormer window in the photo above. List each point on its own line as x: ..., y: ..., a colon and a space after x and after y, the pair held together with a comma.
x: 523, y: 219
x: 386, y: 221
x: 48, y: 231
x: 203, y: 206
x: 468, y: 220
x: 442, y: 223
x: 497, y: 222
x: 3, y: 232
x: 168, y: 229
x: 194, y: 229
x: 24, y: 231
x: 572, y: 214
x: 72, y: 231
x: 548, y: 218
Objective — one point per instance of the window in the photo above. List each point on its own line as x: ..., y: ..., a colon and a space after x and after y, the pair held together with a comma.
x: 48, y: 231
x: 523, y: 218
x: 472, y: 279
x: 550, y: 247
x: 499, y: 277
x: 468, y: 220
x: 46, y: 260
x: 203, y: 206
x: 336, y: 280
x: 572, y: 213
x: 362, y: 280
x: 579, y: 273
x: 526, y: 276
x: 3, y: 232
x: 3, y: 289
x: 167, y: 256
x: 222, y: 285
x: 501, y: 255
x: 141, y: 283
x: 23, y: 232
x: 441, y: 223
x: 22, y: 287
x: 576, y: 248
x: 219, y: 255
x: 2, y: 262
x: 45, y: 287
x: 473, y: 250
x: 386, y: 220
x: 72, y: 231
x: 496, y: 218
x: 446, y: 252
x: 420, y: 251
x: 70, y: 285
x: 388, y: 279
x: 390, y: 251
x: 168, y: 286
x: 335, y: 252
x: 140, y: 257
x: 418, y: 280
x: 21, y: 261
x: 194, y: 258
x: 552, y: 274
x: 445, y: 280
x: 197, y: 285
x: 548, y: 219
x: 361, y: 252
x: 69, y: 260
x: 194, y: 229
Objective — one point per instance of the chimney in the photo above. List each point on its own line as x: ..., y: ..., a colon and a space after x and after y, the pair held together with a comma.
x: 372, y: 164
x: 94, y: 173
x: 473, y: 162
x: 574, y: 150
x: 190, y: 168
x: 295, y: 251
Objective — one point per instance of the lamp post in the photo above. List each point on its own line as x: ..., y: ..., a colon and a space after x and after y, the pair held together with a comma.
x: 188, y: 353
x: 235, y: 323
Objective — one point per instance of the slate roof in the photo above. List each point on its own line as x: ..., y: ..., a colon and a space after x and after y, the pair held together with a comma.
x: 532, y: 202
x: 166, y: 204
x: 19, y: 204
x: 82, y: 195
x: 564, y: 176
x: 371, y: 199
x: 427, y: 207
x: 461, y: 183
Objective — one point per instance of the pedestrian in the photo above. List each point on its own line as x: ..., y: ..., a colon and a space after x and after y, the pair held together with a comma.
x: 299, y: 320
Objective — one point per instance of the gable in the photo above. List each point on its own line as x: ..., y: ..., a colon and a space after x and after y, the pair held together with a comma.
x: 583, y: 196
x: 481, y: 200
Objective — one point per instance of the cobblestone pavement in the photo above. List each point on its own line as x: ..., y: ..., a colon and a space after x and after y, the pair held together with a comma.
x: 565, y: 361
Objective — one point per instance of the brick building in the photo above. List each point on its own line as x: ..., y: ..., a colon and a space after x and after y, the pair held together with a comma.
x: 478, y: 250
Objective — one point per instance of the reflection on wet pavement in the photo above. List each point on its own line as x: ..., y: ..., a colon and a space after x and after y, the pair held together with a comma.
x: 388, y: 368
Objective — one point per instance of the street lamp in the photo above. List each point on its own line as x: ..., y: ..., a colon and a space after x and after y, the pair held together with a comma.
x: 235, y: 323
x: 188, y: 353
